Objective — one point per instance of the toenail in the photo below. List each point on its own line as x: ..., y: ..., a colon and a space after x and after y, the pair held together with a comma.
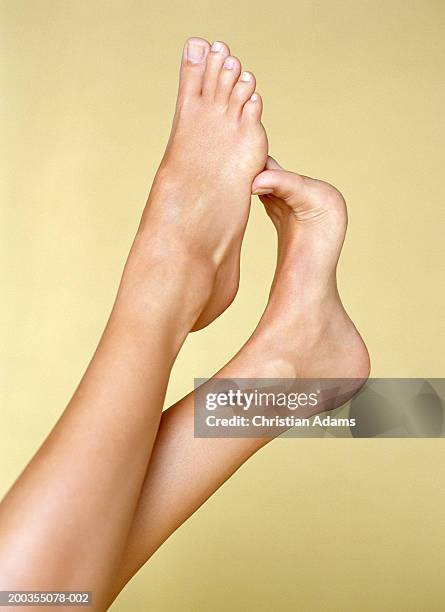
x: 262, y: 191
x: 195, y: 52
x: 246, y: 77
x: 217, y: 46
x: 229, y: 63
x: 254, y: 97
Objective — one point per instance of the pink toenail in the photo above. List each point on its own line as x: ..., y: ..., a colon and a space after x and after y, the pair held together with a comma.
x: 246, y: 77
x: 195, y: 52
x: 217, y: 46
x: 254, y: 97
x: 229, y: 63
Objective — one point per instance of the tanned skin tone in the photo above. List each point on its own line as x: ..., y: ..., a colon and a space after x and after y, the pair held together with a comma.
x: 65, y: 522
x: 304, y: 333
x: 95, y: 502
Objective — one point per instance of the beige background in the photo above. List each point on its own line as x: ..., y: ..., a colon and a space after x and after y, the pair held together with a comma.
x: 354, y: 93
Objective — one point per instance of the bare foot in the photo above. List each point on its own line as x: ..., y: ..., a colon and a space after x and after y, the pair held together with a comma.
x: 305, y: 331
x: 199, y: 203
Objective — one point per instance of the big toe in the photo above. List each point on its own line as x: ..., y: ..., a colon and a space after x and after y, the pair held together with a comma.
x: 272, y: 164
x: 193, y: 66
x: 278, y: 182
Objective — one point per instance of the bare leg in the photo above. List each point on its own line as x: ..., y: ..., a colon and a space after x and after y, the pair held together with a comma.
x: 65, y: 522
x: 304, y: 332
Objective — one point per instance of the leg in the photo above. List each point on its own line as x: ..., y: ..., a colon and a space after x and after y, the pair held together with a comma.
x: 304, y: 332
x: 65, y: 522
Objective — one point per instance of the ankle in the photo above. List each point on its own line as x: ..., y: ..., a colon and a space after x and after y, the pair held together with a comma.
x: 165, y: 272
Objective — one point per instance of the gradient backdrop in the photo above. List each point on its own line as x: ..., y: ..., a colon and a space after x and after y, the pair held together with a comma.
x: 354, y: 93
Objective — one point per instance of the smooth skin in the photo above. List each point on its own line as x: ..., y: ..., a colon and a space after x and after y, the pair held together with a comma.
x: 95, y: 501
x: 304, y: 332
x: 202, y: 189
x: 65, y: 522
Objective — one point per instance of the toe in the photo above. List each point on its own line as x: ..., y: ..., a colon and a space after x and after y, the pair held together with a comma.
x: 253, y: 108
x: 242, y: 92
x: 272, y: 164
x: 219, y: 52
x: 228, y: 76
x: 279, y: 183
x: 193, y: 67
